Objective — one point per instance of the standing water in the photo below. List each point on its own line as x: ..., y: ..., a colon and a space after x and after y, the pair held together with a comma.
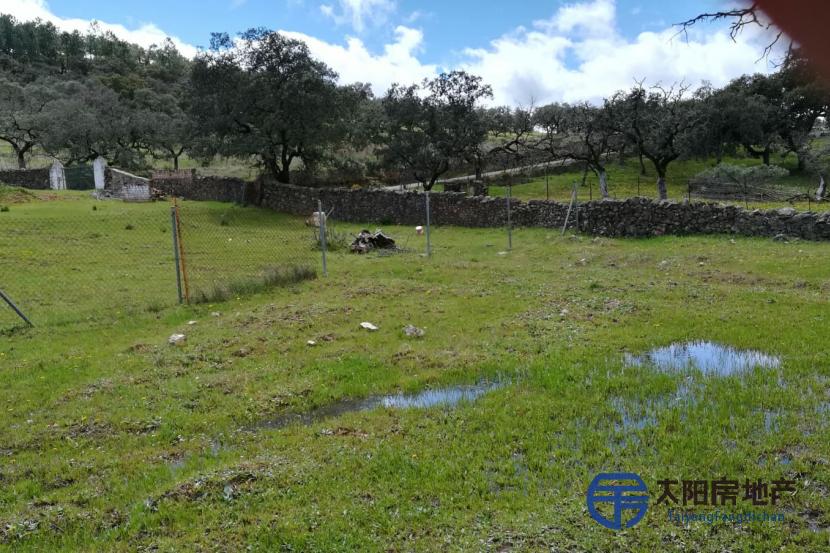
x: 710, y: 358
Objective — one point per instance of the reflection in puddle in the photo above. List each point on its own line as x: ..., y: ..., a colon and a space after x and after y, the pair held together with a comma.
x: 441, y: 397
x: 708, y: 357
x: 633, y: 416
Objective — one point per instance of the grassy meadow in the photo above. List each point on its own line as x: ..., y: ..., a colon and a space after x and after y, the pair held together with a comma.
x: 113, y: 440
x: 625, y: 181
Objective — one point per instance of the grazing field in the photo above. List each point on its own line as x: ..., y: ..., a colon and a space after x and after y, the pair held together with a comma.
x: 68, y: 257
x: 111, y: 439
x: 623, y: 182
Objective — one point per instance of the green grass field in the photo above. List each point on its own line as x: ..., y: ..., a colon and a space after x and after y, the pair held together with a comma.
x: 625, y: 181
x: 113, y: 440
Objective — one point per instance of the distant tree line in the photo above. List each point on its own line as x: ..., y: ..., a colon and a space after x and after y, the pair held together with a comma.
x: 261, y: 96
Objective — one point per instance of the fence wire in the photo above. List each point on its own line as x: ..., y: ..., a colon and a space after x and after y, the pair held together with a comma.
x: 227, y: 249
x: 67, y: 258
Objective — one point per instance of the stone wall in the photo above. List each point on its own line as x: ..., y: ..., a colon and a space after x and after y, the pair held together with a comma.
x: 631, y: 217
x: 37, y: 179
x: 219, y: 189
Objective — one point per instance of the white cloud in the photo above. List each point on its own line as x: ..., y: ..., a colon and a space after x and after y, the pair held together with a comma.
x: 578, y: 54
x: 592, y: 18
x: 359, y: 13
x: 145, y: 35
x: 354, y: 62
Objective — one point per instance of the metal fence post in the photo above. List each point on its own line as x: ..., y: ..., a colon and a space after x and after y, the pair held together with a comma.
x: 176, y: 252
x: 182, y: 262
x: 509, y: 218
x: 429, y: 245
x: 547, y: 184
x: 321, y: 217
x: 9, y: 301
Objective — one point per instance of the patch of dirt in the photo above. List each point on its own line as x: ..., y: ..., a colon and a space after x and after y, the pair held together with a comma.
x: 344, y: 431
x: 223, y: 484
x: 11, y: 195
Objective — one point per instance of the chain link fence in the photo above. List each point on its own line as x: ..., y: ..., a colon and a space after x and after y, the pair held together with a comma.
x: 66, y: 258
x: 226, y: 250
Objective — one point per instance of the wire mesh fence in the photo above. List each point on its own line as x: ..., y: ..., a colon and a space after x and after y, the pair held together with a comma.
x: 226, y: 249
x: 66, y: 258
x: 65, y: 261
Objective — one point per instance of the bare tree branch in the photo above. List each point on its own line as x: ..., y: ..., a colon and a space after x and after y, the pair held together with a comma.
x: 739, y: 18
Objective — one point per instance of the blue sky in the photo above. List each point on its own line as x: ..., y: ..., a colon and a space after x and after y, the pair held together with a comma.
x: 449, y: 25
x: 532, y: 51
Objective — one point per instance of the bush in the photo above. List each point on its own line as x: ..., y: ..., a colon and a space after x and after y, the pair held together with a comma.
x: 335, y: 241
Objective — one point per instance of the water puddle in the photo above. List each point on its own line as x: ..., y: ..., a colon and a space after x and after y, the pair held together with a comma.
x: 710, y: 358
x: 439, y: 397
x: 633, y: 417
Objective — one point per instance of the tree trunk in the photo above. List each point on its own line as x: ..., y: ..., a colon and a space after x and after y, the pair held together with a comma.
x: 603, y: 183
x: 642, y: 164
x: 284, y: 175
x: 801, y: 162
x: 765, y: 155
x: 21, y: 158
x: 175, y: 162
x: 822, y: 188
x: 662, y: 193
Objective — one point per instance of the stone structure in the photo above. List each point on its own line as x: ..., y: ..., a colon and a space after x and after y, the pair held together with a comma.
x: 57, y: 177
x: 125, y: 186
x: 639, y: 217
x: 36, y: 179
x: 632, y: 217
x: 185, y: 184
x: 99, y: 168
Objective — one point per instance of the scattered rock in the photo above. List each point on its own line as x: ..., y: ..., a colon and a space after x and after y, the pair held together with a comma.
x: 780, y: 238
x: 367, y: 241
x: 242, y: 352
x: 316, y: 219
x: 216, y: 314
x: 177, y: 339
x: 368, y: 326
x: 502, y: 253
x: 413, y: 331
x: 311, y: 343
x: 191, y: 323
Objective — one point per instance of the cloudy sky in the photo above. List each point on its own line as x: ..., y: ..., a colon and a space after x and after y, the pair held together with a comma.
x: 529, y: 51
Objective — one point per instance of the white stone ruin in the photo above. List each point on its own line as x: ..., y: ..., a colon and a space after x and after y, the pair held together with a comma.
x: 57, y: 178
x: 98, y: 168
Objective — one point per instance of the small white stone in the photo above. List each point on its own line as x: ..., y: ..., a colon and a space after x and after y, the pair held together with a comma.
x: 176, y: 339
x: 413, y: 331
x: 311, y: 343
x: 368, y: 326
x: 216, y: 314
x: 191, y: 323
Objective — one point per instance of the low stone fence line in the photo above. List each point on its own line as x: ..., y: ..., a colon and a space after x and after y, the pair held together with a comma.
x: 217, y: 189
x: 36, y: 179
x: 635, y: 217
